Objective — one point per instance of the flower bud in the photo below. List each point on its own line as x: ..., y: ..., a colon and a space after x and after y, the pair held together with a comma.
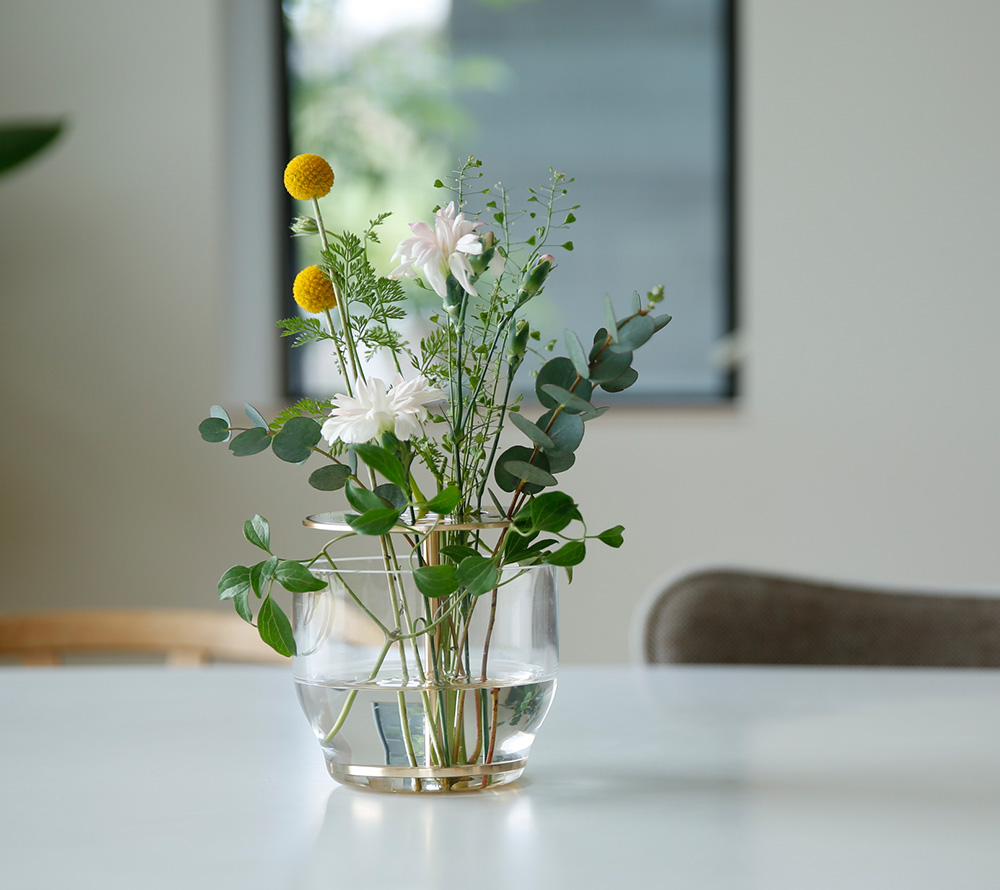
x: 481, y: 262
x: 304, y: 225
x: 454, y: 298
x: 532, y: 282
x: 517, y: 345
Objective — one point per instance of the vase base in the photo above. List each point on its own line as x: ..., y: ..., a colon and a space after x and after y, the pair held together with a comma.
x: 430, y: 779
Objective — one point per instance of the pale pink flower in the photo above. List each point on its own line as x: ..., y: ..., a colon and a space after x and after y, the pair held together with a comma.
x: 438, y: 251
x: 376, y: 408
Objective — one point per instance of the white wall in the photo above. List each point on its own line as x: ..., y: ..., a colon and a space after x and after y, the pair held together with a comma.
x: 866, y: 440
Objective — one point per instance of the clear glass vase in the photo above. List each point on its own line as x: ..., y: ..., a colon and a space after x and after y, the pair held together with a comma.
x: 411, y: 693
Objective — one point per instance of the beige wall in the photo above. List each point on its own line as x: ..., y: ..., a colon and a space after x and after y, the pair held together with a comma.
x: 866, y: 440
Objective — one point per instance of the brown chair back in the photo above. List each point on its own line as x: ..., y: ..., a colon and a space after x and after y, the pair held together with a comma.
x: 748, y: 617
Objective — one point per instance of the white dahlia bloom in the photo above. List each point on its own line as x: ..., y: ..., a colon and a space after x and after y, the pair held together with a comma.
x: 376, y: 408
x: 438, y: 251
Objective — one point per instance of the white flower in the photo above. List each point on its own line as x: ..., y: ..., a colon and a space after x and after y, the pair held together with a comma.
x: 375, y: 408
x: 438, y: 251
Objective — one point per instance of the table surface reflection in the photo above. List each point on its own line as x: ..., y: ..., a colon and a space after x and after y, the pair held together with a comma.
x: 688, y: 777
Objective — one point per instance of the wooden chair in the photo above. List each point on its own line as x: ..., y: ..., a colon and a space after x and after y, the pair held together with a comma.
x: 737, y: 616
x: 185, y: 637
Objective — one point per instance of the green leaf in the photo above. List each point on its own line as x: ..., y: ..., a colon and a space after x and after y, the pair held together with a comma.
x: 255, y: 416
x: 561, y: 372
x: 612, y: 536
x: 383, y: 462
x: 458, y: 552
x: 258, y: 532
x: 560, y: 463
x: 636, y: 331
x: 508, y: 481
x: 477, y: 574
x: 612, y: 324
x: 234, y: 582
x: 373, y: 522
x: 393, y: 494
x: 537, y: 435
x: 552, y: 511
x: 622, y: 382
x: 576, y: 354
x: 274, y: 628
x: 661, y: 321
x: 570, y: 402
x: 609, y: 366
x: 567, y: 246
x: 445, y: 501
x: 436, y: 581
x: 18, y: 142
x: 528, y: 553
x: 330, y: 478
x: 242, y: 604
x: 361, y: 499
x: 526, y: 472
x: 296, y: 578
x: 571, y: 553
x: 214, y: 429
x: 252, y: 441
x: 295, y: 440
x: 261, y: 574
x: 565, y: 429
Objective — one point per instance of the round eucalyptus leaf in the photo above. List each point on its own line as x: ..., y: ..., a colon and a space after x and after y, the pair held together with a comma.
x: 255, y: 416
x: 532, y: 431
x: 507, y: 480
x: 622, y: 382
x: 566, y: 431
x: 391, y: 493
x: 295, y: 440
x: 661, y: 321
x: 636, y: 331
x: 571, y: 402
x: 252, y: 441
x: 220, y: 412
x: 214, y: 429
x: 330, y: 478
x: 560, y: 372
x: 609, y: 365
x: 529, y: 473
x: 560, y: 463
x: 577, y: 356
x: 609, y: 314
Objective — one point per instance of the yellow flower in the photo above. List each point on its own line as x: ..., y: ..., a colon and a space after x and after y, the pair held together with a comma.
x: 308, y: 176
x: 313, y: 291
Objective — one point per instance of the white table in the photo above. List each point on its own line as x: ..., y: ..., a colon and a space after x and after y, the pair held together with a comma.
x: 147, y: 778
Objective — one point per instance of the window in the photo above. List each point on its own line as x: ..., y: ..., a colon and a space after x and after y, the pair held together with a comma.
x: 632, y: 99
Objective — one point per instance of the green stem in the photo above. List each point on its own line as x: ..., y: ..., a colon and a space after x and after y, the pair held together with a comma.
x: 352, y: 353
x: 353, y: 694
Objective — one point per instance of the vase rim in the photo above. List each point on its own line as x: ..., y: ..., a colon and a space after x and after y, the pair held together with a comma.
x: 337, y: 522
x: 374, y: 565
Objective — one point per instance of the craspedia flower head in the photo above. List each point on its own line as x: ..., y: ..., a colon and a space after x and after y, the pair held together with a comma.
x: 307, y: 177
x: 313, y: 291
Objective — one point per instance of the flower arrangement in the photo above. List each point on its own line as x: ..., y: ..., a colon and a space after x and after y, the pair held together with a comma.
x: 419, y: 458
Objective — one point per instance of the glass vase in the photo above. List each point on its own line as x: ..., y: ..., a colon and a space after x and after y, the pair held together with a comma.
x: 406, y: 692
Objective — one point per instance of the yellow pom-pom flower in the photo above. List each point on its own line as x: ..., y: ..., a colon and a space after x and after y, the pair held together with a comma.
x: 313, y: 291
x: 307, y: 177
